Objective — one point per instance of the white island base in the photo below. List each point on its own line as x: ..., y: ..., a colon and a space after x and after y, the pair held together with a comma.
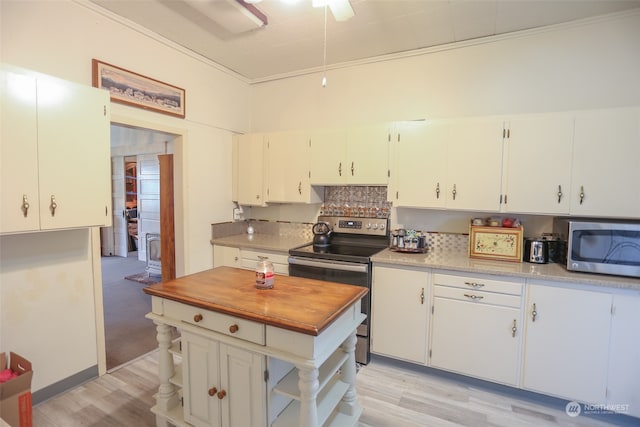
x: 233, y: 372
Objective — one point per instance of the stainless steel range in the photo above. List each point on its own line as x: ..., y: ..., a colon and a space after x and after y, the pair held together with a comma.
x: 344, y: 257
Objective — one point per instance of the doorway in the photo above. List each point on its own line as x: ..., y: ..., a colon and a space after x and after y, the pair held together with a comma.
x: 136, y: 209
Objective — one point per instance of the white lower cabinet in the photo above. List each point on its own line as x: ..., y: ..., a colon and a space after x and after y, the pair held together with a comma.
x: 623, y: 392
x: 226, y: 256
x: 567, y: 342
x: 399, y: 313
x: 223, y: 385
x: 476, y: 327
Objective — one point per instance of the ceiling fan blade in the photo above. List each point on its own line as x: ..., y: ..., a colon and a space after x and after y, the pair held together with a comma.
x: 341, y: 9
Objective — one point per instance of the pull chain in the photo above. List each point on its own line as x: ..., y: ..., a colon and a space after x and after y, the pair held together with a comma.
x: 324, y: 54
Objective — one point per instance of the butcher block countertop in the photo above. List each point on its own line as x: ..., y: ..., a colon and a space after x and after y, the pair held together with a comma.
x: 302, y: 305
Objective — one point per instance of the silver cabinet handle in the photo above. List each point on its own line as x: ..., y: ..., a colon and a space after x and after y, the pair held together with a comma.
x: 352, y: 169
x: 474, y: 284
x: 454, y: 192
x: 581, y: 194
x: 534, y: 313
x: 422, y: 296
x: 25, y: 205
x: 53, y: 206
x: 474, y: 297
x: 559, y: 193
x: 514, y: 329
x: 437, y: 190
x: 300, y: 188
x: 340, y: 169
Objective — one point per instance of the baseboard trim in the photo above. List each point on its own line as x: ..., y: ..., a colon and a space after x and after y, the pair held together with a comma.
x: 65, y: 385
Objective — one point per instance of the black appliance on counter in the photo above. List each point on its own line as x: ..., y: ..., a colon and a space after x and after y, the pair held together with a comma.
x: 346, y: 259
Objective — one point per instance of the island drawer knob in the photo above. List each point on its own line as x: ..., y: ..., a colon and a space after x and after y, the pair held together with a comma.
x: 233, y: 328
x: 197, y: 318
x: 213, y: 391
x: 221, y: 394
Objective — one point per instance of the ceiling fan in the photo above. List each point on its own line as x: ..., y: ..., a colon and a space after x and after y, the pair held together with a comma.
x: 341, y: 9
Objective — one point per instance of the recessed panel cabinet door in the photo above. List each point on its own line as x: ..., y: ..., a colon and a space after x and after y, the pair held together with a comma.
x: 73, y: 155
x: 328, y: 153
x: 251, y: 177
x: 606, y: 163
x: 567, y: 343
x: 19, y: 210
x: 538, y: 164
x: 367, y: 161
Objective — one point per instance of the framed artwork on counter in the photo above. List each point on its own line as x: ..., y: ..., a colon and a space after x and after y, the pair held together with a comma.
x: 496, y: 243
x: 127, y: 87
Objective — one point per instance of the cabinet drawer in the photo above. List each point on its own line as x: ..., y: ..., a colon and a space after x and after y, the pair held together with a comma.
x: 478, y: 297
x: 280, y: 261
x: 513, y: 287
x: 218, y: 322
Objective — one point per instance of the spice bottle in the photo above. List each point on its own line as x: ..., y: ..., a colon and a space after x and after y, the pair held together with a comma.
x: 264, y: 273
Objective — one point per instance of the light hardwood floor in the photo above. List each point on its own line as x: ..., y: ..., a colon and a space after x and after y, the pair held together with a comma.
x: 392, y: 394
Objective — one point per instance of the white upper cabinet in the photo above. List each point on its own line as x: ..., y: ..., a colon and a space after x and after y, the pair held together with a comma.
x: 288, y: 166
x: 474, y: 164
x: 56, y: 170
x: 250, y: 169
x: 537, y: 175
x: 419, y: 168
x: 355, y: 156
x: 606, y: 163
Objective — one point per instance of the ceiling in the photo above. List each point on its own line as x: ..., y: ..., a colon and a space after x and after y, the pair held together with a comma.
x: 293, y: 40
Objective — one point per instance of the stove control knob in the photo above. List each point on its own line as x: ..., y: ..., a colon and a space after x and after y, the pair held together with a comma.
x: 368, y: 225
x: 375, y: 226
x: 381, y: 226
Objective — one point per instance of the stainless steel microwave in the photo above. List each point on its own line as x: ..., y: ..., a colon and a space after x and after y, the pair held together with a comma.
x: 611, y: 247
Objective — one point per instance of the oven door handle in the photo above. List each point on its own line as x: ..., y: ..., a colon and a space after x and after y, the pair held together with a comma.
x: 331, y: 265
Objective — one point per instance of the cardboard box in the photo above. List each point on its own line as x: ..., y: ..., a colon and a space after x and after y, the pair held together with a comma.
x: 15, y: 394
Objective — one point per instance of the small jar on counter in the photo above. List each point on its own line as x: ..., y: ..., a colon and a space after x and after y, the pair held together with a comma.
x: 264, y: 273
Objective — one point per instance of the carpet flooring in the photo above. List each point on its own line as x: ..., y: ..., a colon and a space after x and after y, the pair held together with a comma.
x: 128, y: 333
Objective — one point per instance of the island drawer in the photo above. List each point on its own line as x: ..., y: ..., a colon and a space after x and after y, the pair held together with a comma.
x: 222, y: 323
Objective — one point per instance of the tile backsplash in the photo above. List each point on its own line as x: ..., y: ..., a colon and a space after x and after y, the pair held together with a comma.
x: 358, y: 201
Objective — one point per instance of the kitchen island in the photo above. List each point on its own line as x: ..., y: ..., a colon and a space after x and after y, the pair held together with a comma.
x: 255, y: 357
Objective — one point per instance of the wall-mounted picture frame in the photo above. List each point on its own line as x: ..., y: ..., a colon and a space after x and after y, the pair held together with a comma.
x: 496, y: 243
x: 127, y: 87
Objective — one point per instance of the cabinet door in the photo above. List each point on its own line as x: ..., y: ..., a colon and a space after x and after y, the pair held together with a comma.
x: 19, y: 153
x: 200, y: 364
x: 538, y: 164
x: 288, y: 165
x: 250, y: 175
x: 226, y: 256
x: 624, y: 369
x: 420, y: 159
x: 567, y: 342
x: 476, y: 339
x: 606, y: 163
x: 242, y: 381
x: 73, y: 155
x: 399, y: 313
x: 328, y: 152
x: 367, y: 160
x: 474, y: 164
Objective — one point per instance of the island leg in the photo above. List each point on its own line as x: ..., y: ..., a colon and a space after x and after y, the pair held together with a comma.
x: 308, y: 384
x: 349, y: 404
x: 167, y: 398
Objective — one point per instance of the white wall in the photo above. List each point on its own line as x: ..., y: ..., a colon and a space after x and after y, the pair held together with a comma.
x: 60, y: 38
x: 594, y: 64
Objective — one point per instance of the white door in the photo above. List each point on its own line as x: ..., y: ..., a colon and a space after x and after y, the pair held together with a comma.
x: 148, y: 200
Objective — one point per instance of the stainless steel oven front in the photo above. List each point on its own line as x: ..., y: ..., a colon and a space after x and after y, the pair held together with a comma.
x: 348, y: 273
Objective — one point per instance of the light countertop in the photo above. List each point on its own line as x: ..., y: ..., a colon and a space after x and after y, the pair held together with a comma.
x: 443, y: 259
x: 461, y: 262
